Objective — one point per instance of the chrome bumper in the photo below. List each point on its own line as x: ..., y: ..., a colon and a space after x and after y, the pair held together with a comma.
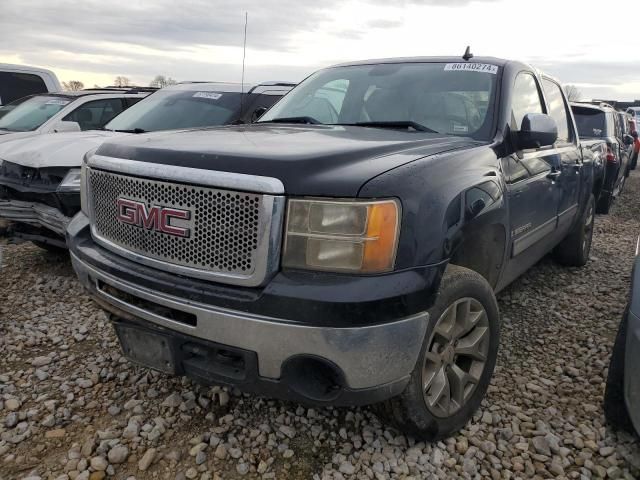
x: 368, y: 356
x: 34, y: 214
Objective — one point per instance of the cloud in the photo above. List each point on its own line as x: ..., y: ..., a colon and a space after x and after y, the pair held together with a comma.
x: 161, y: 24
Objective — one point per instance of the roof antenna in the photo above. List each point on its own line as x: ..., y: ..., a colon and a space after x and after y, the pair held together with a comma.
x: 467, y: 54
x: 244, y: 55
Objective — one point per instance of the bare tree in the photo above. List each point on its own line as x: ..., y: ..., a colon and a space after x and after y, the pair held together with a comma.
x: 72, y: 85
x: 573, y: 93
x: 121, y: 81
x: 160, y: 81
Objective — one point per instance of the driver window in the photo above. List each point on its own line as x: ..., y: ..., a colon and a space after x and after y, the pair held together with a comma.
x: 525, y: 99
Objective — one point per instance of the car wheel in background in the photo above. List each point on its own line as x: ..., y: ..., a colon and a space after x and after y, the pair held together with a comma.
x: 574, y: 250
x: 456, y: 363
x: 604, y: 203
x: 51, y: 248
x: 615, y: 409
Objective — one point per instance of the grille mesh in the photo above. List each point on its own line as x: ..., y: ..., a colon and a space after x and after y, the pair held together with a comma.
x: 224, y: 225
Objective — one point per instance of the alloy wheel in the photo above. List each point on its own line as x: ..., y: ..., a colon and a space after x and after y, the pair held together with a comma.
x: 456, y: 357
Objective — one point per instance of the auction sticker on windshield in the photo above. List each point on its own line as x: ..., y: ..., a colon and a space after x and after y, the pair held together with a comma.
x: 209, y: 95
x: 472, y: 67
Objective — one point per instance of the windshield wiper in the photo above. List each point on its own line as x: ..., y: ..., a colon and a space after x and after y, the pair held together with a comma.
x: 307, y: 120
x: 133, y: 130
x: 393, y: 124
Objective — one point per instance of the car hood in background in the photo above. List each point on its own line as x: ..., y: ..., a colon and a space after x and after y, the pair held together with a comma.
x: 53, y: 150
x: 11, y: 136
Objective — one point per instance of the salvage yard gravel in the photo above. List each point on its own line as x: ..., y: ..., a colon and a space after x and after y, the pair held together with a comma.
x: 72, y: 407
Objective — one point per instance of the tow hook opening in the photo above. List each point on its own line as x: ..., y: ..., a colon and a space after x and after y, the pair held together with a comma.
x: 313, y: 377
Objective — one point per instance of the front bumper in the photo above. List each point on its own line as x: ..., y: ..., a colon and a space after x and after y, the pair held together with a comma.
x: 367, y: 352
x: 632, y: 377
x: 35, y: 214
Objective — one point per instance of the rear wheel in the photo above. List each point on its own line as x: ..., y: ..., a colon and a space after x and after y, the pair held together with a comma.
x: 615, y: 409
x: 456, y: 362
x: 574, y: 249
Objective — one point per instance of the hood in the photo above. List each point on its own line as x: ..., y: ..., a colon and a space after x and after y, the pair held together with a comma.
x: 318, y: 160
x: 11, y: 136
x: 53, y: 150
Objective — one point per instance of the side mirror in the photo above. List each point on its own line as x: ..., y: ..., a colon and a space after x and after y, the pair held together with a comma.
x: 537, y: 130
x: 627, y: 139
x: 63, y: 126
x: 257, y: 113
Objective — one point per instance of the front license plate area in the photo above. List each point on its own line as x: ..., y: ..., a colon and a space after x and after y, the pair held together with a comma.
x: 147, y: 349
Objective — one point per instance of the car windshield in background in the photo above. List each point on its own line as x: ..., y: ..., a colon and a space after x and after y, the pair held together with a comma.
x: 177, y: 109
x: 30, y: 113
x: 447, y: 98
x: 591, y: 122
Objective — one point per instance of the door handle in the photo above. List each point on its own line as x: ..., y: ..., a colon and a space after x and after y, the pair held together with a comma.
x: 554, y: 174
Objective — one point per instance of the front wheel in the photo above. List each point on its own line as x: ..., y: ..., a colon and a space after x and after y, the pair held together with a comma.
x: 456, y: 362
x: 574, y: 250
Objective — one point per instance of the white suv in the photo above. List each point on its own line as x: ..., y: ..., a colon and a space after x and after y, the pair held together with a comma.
x: 89, y: 109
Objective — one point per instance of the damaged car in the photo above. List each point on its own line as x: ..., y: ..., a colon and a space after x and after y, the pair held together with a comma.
x: 40, y: 177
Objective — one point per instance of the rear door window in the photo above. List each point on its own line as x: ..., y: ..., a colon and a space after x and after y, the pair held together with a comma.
x: 15, y: 85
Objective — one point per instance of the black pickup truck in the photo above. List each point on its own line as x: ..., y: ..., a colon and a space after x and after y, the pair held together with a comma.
x: 346, y: 249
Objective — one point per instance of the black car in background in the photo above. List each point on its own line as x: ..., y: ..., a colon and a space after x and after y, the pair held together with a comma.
x: 622, y: 397
x: 603, y: 122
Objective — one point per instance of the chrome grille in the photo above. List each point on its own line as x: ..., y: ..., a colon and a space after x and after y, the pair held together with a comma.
x: 228, y: 230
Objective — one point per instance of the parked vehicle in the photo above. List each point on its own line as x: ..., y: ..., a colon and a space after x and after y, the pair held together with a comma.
x: 17, y: 81
x: 622, y: 396
x: 345, y: 249
x: 635, y: 114
x: 601, y: 122
x: 40, y: 177
x: 635, y: 149
x: 89, y: 109
x: 626, y: 122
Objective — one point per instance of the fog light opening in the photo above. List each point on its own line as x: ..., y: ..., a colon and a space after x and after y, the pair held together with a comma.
x: 313, y: 377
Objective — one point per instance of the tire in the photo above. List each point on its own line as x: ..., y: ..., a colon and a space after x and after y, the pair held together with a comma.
x: 574, y: 249
x: 604, y: 203
x: 50, y: 248
x: 615, y: 409
x: 410, y: 411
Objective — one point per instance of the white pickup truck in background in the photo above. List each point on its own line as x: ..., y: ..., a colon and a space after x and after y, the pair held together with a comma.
x: 17, y: 81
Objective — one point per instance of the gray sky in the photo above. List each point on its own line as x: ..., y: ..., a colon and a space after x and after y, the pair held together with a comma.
x: 95, y: 40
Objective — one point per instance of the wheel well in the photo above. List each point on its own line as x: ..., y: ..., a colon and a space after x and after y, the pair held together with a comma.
x: 482, y: 250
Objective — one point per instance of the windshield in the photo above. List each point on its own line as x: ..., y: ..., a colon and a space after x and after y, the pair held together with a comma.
x: 453, y: 98
x: 30, y: 113
x: 177, y: 109
x: 590, y: 122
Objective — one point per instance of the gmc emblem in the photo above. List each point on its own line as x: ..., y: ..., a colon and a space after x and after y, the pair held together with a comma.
x: 155, y: 218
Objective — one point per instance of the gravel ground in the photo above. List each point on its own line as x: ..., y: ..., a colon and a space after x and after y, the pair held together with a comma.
x: 71, y: 407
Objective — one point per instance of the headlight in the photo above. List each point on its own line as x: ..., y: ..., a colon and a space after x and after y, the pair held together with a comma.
x: 342, y: 235
x: 71, y: 181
